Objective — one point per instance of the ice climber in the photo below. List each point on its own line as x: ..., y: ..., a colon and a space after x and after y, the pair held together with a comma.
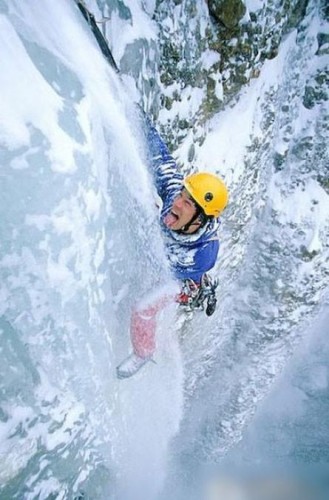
x: 189, y: 220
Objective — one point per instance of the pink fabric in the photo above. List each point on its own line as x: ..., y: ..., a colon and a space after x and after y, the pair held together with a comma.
x: 143, y: 326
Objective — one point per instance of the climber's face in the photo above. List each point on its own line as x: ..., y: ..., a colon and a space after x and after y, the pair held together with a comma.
x: 182, y: 211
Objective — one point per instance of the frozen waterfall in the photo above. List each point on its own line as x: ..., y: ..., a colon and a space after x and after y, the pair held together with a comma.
x: 73, y: 191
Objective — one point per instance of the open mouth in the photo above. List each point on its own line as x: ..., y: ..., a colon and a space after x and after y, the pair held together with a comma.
x: 170, y: 219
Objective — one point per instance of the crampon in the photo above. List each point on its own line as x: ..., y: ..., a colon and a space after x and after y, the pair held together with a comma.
x: 201, y: 296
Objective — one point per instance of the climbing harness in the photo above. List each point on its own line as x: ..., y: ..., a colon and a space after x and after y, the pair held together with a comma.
x: 199, y: 297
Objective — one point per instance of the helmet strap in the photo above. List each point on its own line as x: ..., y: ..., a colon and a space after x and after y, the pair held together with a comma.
x: 198, y: 214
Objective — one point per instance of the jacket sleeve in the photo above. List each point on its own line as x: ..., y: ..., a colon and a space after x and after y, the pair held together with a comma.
x: 164, y: 169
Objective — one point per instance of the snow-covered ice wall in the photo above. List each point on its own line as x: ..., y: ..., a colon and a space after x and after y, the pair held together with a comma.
x: 77, y: 213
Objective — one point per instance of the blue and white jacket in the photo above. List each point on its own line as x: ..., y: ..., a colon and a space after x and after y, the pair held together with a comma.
x: 190, y: 255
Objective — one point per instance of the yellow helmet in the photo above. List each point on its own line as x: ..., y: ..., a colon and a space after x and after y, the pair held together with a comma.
x: 208, y: 190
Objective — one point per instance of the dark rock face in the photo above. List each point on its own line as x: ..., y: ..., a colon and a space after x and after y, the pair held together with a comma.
x: 242, y: 39
x: 228, y: 12
x: 204, y: 51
